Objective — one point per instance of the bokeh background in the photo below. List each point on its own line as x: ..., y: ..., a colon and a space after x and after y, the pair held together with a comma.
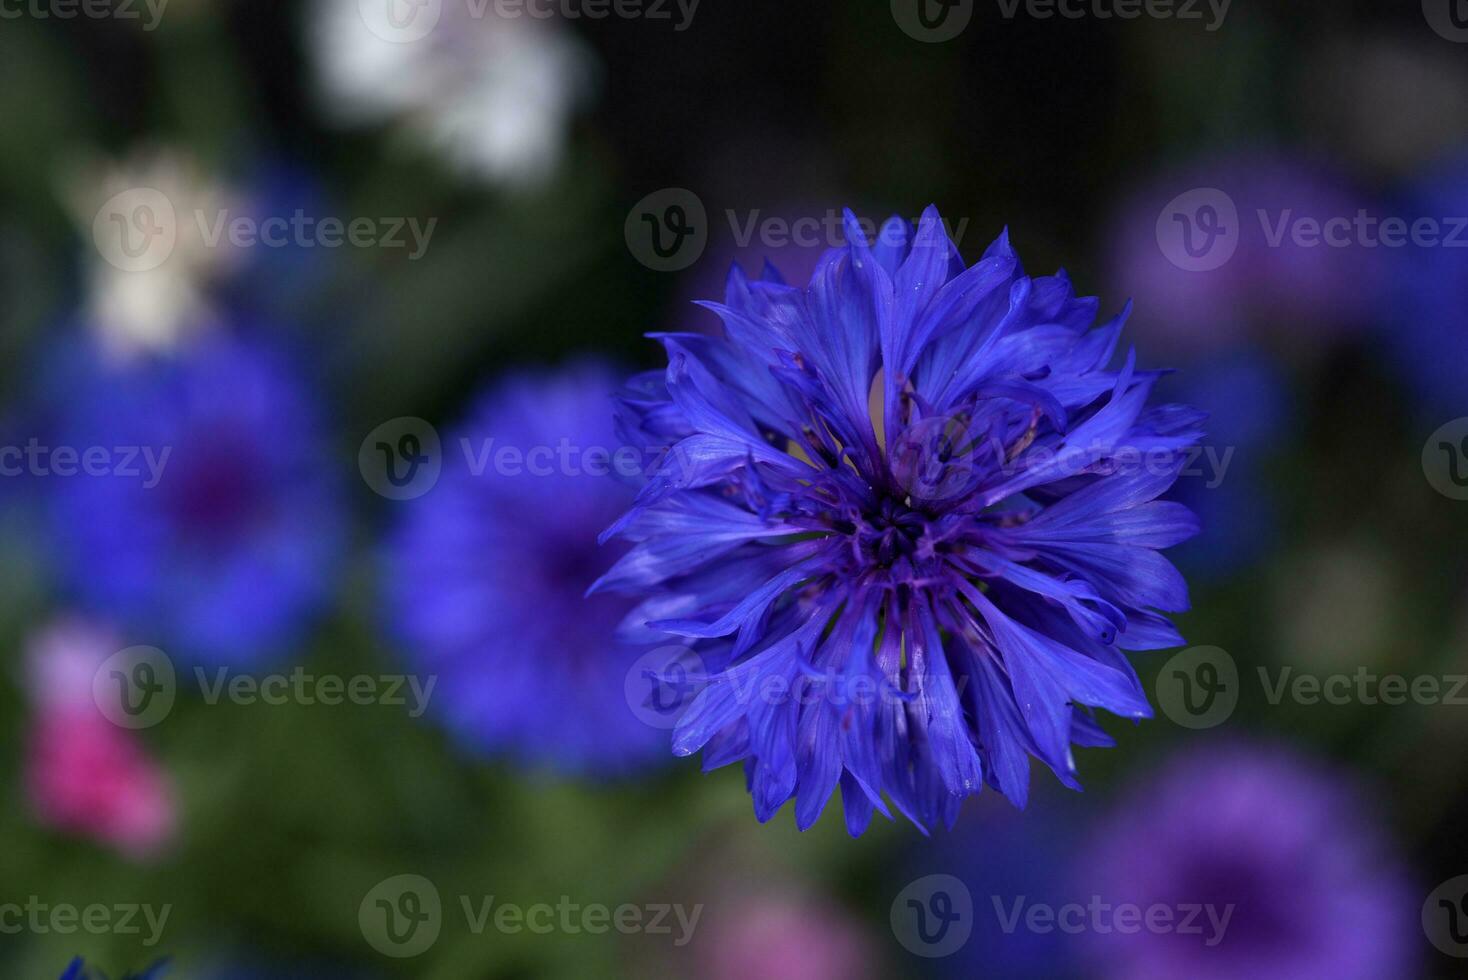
x: 539, y: 157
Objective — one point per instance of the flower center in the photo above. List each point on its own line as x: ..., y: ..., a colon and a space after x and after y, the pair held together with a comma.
x: 890, y: 531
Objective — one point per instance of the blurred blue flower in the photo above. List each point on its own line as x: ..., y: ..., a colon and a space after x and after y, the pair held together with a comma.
x: 211, y: 522
x: 922, y: 511
x: 1246, y: 396
x: 1004, y: 857
x: 1300, y: 882
x: 77, y: 970
x: 1425, y: 313
x: 487, y: 572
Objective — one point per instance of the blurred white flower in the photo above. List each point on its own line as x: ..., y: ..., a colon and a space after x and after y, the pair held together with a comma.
x: 493, y: 94
x: 149, y: 257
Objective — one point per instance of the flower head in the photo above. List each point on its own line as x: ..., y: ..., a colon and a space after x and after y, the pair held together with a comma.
x: 84, y: 774
x: 487, y: 571
x: 493, y: 93
x: 911, y: 512
x: 1278, y: 848
x: 210, y: 518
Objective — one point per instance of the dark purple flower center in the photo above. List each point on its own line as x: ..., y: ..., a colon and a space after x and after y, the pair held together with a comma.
x: 215, y: 486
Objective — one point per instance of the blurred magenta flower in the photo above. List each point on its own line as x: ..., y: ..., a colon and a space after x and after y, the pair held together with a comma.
x: 914, y: 508
x: 1280, y: 847
x: 487, y: 571
x: 210, y: 520
x: 86, y: 775
x: 1270, y: 289
x: 787, y: 938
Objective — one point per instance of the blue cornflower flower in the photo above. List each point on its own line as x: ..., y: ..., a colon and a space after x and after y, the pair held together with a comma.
x: 486, y: 573
x: 912, y: 515
x: 208, y: 516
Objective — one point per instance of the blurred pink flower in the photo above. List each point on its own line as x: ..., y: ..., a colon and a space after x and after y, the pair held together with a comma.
x: 84, y: 774
x: 789, y: 939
